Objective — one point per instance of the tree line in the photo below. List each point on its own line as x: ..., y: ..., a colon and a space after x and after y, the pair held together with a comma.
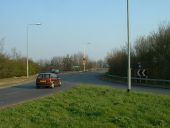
x: 151, y: 53
x: 13, y: 64
x: 70, y: 63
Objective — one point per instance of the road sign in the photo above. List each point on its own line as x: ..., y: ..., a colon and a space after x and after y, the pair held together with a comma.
x: 84, y: 60
x: 138, y: 73
x: 141, y: 73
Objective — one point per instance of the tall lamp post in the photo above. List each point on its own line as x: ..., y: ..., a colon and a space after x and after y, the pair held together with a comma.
x: 27, y: 48
x: 128, y: 38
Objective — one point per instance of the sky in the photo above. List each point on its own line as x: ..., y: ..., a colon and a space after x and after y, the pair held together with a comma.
x: 69, y: 26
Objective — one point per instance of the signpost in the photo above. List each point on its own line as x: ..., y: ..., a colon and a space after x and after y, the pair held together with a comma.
x: 141, y: 73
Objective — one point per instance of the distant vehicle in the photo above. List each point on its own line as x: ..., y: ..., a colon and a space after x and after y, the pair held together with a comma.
x: 47, y: 80
x: 56, y: 71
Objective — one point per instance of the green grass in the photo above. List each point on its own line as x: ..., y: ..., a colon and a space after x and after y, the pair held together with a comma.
x: 90, y: 107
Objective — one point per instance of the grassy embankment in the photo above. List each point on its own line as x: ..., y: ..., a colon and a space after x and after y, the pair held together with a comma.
x: 90, y: 107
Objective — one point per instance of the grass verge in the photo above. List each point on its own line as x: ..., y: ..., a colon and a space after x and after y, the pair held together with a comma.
x: 7, y: 82
x: 90, y: 107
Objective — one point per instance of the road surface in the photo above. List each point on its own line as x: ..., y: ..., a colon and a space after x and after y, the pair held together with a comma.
x: 21, y: 93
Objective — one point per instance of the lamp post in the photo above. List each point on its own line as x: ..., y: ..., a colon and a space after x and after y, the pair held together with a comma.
x: 27, y: 48
x: 84, y: 56
x: 128, y: 38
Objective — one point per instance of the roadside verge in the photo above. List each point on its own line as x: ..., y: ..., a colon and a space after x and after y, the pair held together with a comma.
x: 8, y: 82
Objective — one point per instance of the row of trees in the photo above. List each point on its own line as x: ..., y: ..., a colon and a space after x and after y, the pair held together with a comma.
x: 70, y: 63
x: 151, y: 53
x: 14, y: 64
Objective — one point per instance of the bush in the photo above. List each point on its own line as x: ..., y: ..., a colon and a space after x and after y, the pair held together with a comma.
x: 152, y: 52
x: 16, y: 67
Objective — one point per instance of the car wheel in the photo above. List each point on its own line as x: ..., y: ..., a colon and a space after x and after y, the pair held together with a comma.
x: 59, y: 83
x: 37, y: 86
x: 52, y: 85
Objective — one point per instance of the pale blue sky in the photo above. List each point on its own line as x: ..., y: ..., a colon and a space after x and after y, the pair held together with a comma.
x: 67, y: 25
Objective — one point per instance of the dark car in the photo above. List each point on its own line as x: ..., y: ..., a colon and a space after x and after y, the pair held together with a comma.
x: 56, y: 71
x: 47, y: 80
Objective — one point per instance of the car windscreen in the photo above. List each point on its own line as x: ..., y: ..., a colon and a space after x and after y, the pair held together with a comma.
x: 43, y: 76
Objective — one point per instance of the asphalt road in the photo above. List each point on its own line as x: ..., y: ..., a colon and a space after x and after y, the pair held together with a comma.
x: 21, y: 93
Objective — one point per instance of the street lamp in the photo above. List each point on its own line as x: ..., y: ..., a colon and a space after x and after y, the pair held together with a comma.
x: 27, y: 47
x: 84, y: 56
x: 128, y: 38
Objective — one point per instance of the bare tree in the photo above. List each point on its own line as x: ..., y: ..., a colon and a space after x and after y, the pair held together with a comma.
x: 57, y: 61
x: 15, y: 54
